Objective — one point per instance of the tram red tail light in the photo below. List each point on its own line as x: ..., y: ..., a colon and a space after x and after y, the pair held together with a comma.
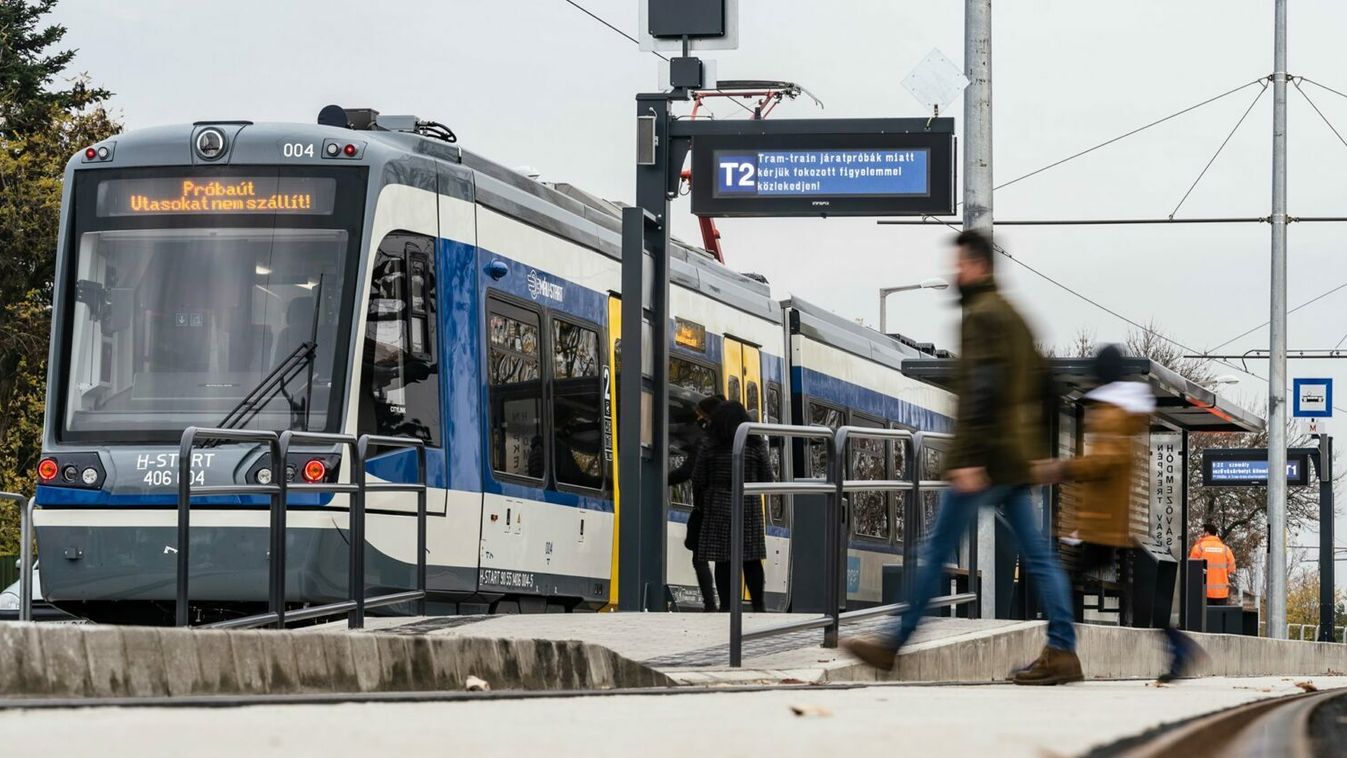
x: 315, y: 471
x: 47, y: 469
x: 90, y: 154
x: 349, y: 150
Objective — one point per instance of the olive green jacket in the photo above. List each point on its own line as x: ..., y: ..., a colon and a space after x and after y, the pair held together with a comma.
x: 1000, y: 383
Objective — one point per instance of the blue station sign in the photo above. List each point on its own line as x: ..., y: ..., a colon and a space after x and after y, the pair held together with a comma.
x: 846, y: 167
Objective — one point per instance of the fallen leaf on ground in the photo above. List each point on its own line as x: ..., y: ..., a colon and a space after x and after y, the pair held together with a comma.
x: 790, y: 680
x: 1308, y: 686
x: 475, y: 684
x: 1156, y: 684
x: 811, y: 710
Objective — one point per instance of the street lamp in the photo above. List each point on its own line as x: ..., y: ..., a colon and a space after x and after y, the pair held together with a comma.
x: 884, y: 292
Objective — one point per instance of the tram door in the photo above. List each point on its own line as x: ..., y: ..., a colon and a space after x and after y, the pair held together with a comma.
x: 610, y: 431
x: 743, y: 382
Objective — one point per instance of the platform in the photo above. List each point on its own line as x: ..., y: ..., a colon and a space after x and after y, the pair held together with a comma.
x: 693, y: 648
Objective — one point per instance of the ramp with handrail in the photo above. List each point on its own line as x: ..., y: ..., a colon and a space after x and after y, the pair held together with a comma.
x: 836, y: 485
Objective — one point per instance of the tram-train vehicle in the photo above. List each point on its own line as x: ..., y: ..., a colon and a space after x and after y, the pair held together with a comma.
x: 399, y: 285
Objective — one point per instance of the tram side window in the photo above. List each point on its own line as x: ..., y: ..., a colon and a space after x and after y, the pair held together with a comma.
x: 400, y: 393
x: 577, y: 405
x: 689, y: 382
x: 821, y: 415
x: 867, y: 461
x: 931, y: 466
x: 900, y: 459
x: 515, y: 390
x: 776, y: 503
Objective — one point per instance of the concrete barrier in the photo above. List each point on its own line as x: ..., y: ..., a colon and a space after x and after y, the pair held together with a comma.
x: 1106, y: 652
x: 107, y: 661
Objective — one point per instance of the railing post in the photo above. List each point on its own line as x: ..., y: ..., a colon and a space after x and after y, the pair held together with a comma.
x: 26, y: 508
x: 836, y: 554
x: 421, y: 529
x: 278, y: 524
x: 181, y: 611
x: 356, y: 619
x: 737, y: 547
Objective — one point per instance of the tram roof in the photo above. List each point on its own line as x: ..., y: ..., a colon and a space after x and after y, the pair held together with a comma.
x: 1181, y: 404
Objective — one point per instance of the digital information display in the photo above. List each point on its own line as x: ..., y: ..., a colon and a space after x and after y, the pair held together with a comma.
x: 213, y: 195
x: 833, y: 173
x: 824, y: 167
x: 1249, y: 468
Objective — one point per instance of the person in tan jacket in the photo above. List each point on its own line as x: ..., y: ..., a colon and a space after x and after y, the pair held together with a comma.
x: 1096, y: 503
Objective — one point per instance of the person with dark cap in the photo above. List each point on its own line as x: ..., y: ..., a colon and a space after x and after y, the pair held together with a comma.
x: 999, y: 380
x: 713, y: 474
x: 1096, y: 504
x: 705, y: 582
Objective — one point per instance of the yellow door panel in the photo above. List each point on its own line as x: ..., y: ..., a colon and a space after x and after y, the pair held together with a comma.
x: 614, y: 333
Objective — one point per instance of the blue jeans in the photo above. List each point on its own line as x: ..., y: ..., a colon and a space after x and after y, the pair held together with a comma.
x: 955, y: 514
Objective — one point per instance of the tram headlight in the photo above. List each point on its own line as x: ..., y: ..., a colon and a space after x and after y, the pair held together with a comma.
x: 89, y: 475
x: 264, y: 476
x: 69, y: 473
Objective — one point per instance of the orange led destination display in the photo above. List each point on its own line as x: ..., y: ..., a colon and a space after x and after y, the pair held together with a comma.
x: 215, y: 195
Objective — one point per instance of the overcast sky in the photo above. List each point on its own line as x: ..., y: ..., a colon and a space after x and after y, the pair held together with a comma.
x: 536, y: 82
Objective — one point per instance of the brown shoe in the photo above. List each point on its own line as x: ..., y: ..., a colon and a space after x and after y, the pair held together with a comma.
x: 1052, y: 667
x: 876, y: 654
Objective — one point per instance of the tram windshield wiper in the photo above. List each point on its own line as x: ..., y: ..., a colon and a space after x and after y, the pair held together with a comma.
x: 273, y: 384
x: 278, y: 379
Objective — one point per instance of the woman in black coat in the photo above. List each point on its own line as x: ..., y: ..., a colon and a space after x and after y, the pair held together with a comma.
x: 683, y: 473
x: 712, y: 474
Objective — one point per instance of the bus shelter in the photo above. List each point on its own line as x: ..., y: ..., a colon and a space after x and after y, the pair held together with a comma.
x: 1145, y: 586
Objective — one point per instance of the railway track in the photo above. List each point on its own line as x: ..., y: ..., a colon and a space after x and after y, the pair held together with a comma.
x: 1307, y: 725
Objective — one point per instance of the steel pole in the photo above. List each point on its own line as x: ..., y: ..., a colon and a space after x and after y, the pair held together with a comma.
x: 883, y: 317
x: 977, y: 209
x: 1327, y: 583
x: 26, y: 559
x: 1276, y: 416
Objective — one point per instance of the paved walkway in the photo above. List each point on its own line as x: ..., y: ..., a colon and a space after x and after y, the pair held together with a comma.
x: 676, y: 641
x: 878, y: 720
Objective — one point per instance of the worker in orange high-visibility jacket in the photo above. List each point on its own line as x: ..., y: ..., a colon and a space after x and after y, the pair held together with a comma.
x: 1220, y: 565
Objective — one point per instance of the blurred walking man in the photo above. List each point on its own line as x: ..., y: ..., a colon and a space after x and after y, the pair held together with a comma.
x: 999, y: 381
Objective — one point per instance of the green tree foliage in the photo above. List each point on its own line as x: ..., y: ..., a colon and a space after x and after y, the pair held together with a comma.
x: 45, y: 118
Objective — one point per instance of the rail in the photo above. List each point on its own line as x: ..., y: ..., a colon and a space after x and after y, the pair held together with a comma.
x: 357, y: 617
x: 915, y: 486
x: 837, y: 485
x: 25, y: 506
x: 829, y: 487
x: 278, y: 490
x: 275, y: 491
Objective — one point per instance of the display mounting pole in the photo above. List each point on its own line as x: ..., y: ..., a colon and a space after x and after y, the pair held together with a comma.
x: 977, y: 214
x: 645, y: 300
x: 1327, y: 583
x: 1276, y: 417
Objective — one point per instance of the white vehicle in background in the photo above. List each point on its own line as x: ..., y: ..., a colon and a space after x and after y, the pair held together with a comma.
x: 42, y: 611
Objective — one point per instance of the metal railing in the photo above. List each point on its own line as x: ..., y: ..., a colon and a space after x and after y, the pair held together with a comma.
x: 911, y: 515
x: 25, y: 506
x: 836, y: 485
x: 357, y: 617
x: 279, y: 488
x: 829, y: 487
x: 275, y: 491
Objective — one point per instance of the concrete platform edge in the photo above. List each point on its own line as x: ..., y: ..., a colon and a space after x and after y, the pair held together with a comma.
x: 105, y: 661
x: 1106, y: 652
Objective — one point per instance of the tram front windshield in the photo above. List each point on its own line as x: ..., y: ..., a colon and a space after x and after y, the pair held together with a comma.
x: 186, y: 318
